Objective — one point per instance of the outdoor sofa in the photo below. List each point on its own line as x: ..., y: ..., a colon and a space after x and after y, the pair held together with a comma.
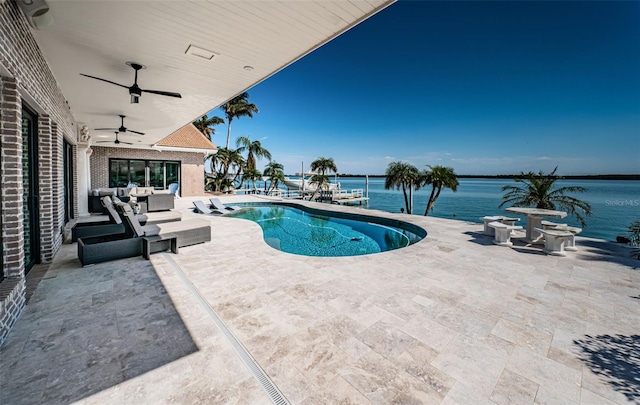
x: 149, y: 199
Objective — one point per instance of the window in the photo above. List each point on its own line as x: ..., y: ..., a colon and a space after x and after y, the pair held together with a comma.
x: 144, y: 173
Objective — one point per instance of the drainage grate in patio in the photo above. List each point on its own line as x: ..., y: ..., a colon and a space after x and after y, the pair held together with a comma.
x: 263, y: 379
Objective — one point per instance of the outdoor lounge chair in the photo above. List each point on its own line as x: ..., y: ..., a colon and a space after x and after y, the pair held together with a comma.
x: 114, y: 224
x: 188, y: 232
x: 203, y: 209
x: 217, y: 204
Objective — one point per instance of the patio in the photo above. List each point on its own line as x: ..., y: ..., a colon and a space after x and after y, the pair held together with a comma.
x: 452, y: 319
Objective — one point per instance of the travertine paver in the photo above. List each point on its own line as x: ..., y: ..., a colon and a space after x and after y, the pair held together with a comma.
x: 452, y: 319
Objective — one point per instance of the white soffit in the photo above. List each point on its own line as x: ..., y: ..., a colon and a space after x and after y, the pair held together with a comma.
x: 98, y: 37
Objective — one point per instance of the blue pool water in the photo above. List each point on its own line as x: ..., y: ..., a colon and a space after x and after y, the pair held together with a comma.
x: 293, y: 230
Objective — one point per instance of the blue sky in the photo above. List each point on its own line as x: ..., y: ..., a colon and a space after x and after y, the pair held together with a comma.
x: 483, y: 87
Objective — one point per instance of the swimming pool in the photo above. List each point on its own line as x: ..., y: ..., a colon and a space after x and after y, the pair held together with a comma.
x: 313, y: 232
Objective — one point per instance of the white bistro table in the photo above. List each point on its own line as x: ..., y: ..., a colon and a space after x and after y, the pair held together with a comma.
x: 534, y: 219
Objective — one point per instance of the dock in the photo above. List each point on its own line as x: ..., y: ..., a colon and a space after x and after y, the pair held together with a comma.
x: 343, y: 197
x: 350, y: 201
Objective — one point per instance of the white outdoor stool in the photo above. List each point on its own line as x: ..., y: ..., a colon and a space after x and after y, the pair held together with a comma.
x: 503, y: 233
x: 570, y: 244
x: 509, y: 221
x: 487, y: 220
x: 555, y: 241
x: 550, y: 225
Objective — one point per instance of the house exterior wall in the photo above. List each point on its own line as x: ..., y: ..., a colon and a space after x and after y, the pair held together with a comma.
x: 192, y: 166
x: 26, y: 78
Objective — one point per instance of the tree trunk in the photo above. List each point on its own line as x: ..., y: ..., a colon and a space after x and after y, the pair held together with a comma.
x: 431, y: 201
x: 229, y: 132
x: 406, y: 201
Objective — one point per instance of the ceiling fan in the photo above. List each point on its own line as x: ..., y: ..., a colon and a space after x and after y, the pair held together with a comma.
x: 117, y: 141
x: 122, y: 127
x: 134, y: 90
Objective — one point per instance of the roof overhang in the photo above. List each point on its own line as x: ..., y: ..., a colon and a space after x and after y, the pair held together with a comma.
x: 178, y: 149
x: 249, y: 41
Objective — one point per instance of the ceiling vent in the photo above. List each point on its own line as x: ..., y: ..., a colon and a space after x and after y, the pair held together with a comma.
x: 200, y: 53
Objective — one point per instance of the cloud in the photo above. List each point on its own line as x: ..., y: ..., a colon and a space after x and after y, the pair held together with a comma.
x: 263, y: 138
x: 543, y: 158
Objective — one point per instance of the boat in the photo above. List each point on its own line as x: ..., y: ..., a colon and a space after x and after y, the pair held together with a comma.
x: 297, y: 184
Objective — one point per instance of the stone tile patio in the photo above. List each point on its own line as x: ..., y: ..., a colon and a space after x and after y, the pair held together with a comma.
x: 452, y: 319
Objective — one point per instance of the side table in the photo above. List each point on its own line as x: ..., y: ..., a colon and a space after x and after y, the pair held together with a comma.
x: 147, y: 241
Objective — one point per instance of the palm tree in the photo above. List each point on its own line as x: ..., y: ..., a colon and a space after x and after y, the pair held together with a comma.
x: 251, y: 175
x: 222, y: 163
x: 539, y: 190
x: 321, y: 165
x: 254, y: 149
x: 402, y: 175
x: 439, y: 177
x: 275, y: 172
x: 237, y: 107
x: 205, y: 124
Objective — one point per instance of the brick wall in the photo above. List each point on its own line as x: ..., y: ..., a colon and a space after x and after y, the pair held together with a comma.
x: 192, y: 166
x: 12, y: 288
x: 12, y: 300
x: 26, y: 77
x: 45, y: 189
x: 12, y: 215
x: 57, y: 187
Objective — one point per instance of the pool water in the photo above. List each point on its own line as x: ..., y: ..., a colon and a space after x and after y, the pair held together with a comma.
x: 293, y: 230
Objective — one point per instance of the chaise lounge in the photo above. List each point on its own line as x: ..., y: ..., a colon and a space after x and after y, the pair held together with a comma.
x: 188, y: 232
x: 113, y: 224
x: 203, y: 209
x: 217, y: 204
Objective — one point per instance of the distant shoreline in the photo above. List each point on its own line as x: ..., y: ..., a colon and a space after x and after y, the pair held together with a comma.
x: 512, y: 176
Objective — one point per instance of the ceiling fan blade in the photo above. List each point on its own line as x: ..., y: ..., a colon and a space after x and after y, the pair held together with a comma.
x: 105, y: 80
x: 128, y: 143
x: 135, y: 132
x: 106, y: 129
x: 104, y: 141
x: 163, y: 93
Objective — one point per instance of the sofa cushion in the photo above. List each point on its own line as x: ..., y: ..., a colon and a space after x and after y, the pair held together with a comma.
x: 144, y: 190
x: 107, y: 192
x: 123, y: 192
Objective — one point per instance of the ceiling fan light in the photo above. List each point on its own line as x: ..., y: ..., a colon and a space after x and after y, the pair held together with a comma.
x: 135, y: 99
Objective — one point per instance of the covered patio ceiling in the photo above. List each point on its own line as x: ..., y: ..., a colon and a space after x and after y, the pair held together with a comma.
x: 250, y: 41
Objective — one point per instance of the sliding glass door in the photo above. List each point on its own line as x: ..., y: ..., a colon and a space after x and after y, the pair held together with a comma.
x: 144, y: 173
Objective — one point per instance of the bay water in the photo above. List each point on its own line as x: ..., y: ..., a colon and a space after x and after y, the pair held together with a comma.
x: 615, y: 203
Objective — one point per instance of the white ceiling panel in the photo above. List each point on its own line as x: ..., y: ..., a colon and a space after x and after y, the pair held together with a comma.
x: 98, y: 37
